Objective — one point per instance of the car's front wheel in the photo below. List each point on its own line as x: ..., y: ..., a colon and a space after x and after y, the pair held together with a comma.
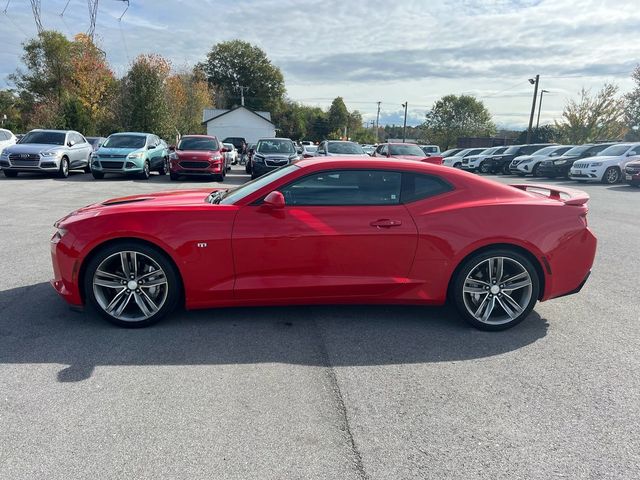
x: 611, y: 176
x: 63, y: 170
x: 484, y: 167
x: 131, y: 284
x: 146, y: 171
x: 496, y: 289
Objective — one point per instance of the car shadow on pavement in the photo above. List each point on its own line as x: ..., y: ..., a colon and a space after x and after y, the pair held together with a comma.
x: 37, y: 327
x: 623, y: 188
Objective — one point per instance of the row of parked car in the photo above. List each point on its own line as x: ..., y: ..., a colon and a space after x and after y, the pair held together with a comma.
x: 608, y: 163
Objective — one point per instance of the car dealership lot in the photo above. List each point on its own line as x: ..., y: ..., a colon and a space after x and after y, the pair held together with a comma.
x: 314, y: 392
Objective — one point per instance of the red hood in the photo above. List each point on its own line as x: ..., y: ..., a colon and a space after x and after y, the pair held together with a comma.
x: 194, y: 197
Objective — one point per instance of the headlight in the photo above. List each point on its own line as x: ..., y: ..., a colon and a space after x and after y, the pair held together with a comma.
x: 216, y: 157
x: 4, y: 155
x: 173, y: 156
x: 258, y: 158
x: 560, y: 162
x: 50, y: 154
x: 596, y: 164
x: 135, y: 155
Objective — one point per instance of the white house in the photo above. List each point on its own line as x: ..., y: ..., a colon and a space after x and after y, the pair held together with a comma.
x: 238, y: 122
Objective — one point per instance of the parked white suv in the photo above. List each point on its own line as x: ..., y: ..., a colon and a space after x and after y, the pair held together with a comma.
x: 528, y: 164
x: 472, y: 163
x: 608, y: 166
x: 456, y: 160
x: 7, y: 138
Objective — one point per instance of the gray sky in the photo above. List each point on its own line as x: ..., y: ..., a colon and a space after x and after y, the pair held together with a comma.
x: 374, y: 50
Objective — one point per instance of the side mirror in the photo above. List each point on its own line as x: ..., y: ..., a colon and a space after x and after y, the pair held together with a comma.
x: 274, y: 200
x: 224, y: 150
x: 71, y: 143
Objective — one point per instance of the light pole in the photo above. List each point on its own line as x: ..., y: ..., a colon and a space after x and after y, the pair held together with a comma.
x: 404, y: 127
x: 542, y: 92
x: 533, y: 105
x: 377, y: 124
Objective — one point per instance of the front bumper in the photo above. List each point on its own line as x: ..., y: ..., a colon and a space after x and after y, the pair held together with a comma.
x: 553, y: 170
x: 66, y: 269
x: 593, y: 174
x: 121, y: 166
x: 44, y: 165
x: 197, y: 167
x: 632, y: 178
x: 258, y: 169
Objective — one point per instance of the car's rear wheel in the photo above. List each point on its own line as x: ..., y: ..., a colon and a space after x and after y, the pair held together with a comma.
x: 10, y: 173
x: 146, y: 171
x: 505, y: 169
x: 484, y: 167
x: 496, y: 289
x: 63, y: 170
x: 611, y: 175
x: 131, y: 284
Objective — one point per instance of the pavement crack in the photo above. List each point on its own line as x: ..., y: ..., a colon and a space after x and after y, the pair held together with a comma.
x: 341, y: 408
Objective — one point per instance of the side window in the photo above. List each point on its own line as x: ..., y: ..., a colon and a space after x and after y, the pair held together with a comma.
x: 418, y: 187
x: 4, y: 135
x: 379, y: 149
x: 345, y: 187
x: 321, y: 148
x: 384, y: 150
x: 80, y: 139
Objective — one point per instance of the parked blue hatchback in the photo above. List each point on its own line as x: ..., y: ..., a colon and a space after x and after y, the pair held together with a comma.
x: 130, y: 153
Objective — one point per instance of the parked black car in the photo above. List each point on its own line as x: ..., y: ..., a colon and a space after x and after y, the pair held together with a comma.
x: 559, y: 167
x: 500, y: 163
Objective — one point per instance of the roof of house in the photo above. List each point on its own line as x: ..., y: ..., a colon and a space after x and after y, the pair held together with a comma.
x: 225, y: 112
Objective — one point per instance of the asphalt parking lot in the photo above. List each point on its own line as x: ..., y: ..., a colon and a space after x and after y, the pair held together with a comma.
x: 315, y: 392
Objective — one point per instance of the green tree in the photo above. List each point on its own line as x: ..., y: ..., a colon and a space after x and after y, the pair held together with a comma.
x: 187, y: 95
x: 48, y: 62
x: 337, y: 118
x: 10, y: 106
x: 593, y: 117
x: 234, y: 64
x: 143, y: 106
x: 455, y: 116
x: 543, y: 134
x: 632, y: 108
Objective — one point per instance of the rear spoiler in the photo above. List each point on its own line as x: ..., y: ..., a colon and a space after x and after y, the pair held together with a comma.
x: 568, y: 196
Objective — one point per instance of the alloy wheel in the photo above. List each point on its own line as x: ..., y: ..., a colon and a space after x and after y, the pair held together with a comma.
x: 130, y: 286
x: 497, y: 290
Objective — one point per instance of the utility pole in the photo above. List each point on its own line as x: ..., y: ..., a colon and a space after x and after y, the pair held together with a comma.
x: 377, y: 123
x: 242, y: 89
x: 533, y: 105
x: 542, y: 92
x: 404, y: 128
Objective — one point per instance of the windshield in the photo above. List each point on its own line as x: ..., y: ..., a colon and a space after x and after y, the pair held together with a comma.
x: 580, y: 149
x: 275, y: 146
x: 545, y: 151
x: 229, y: 197
x: 48, y: 138
x: 428, y: 149
x: 229, y: 146
x: 197, y: 143
x: 125, y: 141
x: 311, y: 148
x: 512, y: 150
x: 450, y: 152
x: 345, y: 148
x: 488, y: 151
x: 410, y: 150
x: 615, y: 150
x: 94, y: 140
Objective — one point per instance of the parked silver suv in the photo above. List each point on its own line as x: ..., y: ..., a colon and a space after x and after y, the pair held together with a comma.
x: 47, y: 151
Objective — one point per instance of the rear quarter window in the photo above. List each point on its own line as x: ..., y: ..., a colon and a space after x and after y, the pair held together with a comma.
x: 418, y: 187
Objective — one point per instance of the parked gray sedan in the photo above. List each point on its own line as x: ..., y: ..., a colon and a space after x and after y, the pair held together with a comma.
x: 47, y: 151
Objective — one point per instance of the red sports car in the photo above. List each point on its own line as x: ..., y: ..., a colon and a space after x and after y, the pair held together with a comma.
x: 336, y: 231
x: 198, y: 155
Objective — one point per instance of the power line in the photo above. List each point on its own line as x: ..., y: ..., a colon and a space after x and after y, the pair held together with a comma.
x: 93, y: 15
x: 36, y: 9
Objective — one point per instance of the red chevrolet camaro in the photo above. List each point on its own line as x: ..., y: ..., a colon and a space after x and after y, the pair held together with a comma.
x: 336, y: 231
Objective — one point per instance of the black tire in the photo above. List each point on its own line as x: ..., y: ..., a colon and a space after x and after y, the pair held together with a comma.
x: 505, y: 169
x: 174, y: 286
x: 247, y: 168
x: 457, y: 165
x: 97, y: 175
x: 529, y: 297
x: 63, y: 170
x: 218, y: 178
x: 253, y: 176
x: 484, y: 168
x: 536, y: 169
x: 611, y: 176
x: 146, y: 171
x: 174, y: 176
x: 87, y: 169
x: 164, y: 169
x: 10, y: 173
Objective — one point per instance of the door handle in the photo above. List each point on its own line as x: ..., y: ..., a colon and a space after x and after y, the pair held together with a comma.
x: 386, y: 223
